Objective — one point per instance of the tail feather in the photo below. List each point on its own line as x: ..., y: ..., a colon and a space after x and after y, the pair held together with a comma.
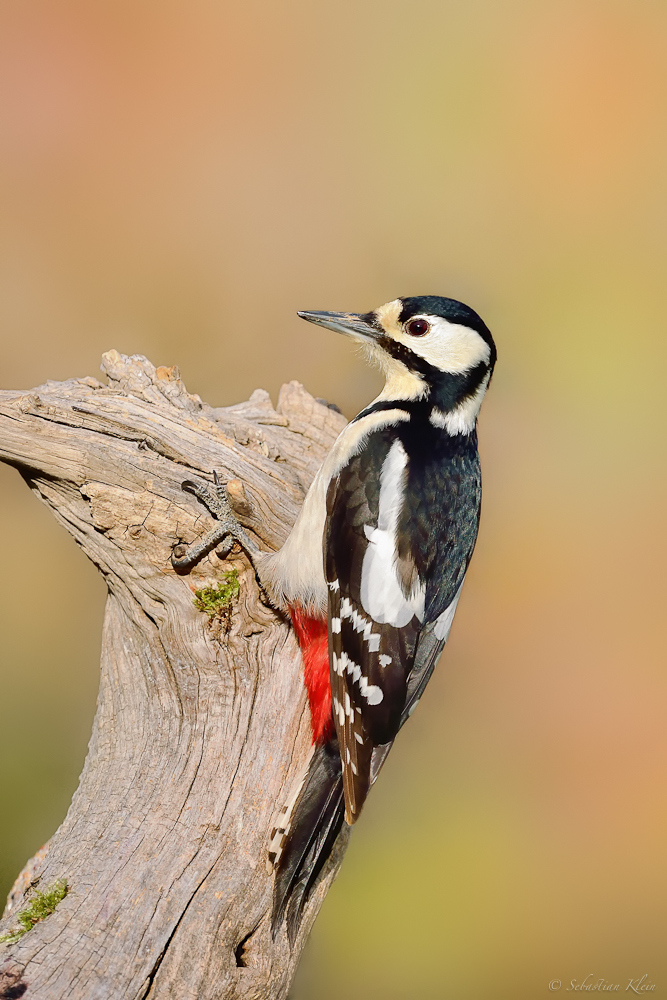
x: 317, y: 856
x: 316, y: 821
x: 282, y: 827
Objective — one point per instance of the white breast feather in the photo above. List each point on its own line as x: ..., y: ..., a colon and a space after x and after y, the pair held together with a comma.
x: 382, y: 596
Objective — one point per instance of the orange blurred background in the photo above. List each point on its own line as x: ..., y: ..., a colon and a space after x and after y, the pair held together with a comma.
x: 177, y: 179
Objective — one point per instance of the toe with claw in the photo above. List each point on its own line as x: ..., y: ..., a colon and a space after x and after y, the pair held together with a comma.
x: 222, y: 536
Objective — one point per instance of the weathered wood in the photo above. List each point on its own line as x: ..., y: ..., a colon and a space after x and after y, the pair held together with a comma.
x: 198, y: 735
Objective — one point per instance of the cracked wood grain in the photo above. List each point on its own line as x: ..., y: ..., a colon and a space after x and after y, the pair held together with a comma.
x: 198, y: 735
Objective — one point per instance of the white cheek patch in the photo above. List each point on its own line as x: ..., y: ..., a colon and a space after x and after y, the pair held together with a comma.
x: 450, y: 347
x: 382, y: 596
x: 444, y: 621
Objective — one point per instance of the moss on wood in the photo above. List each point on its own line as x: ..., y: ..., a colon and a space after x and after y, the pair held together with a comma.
x: 40, y: 906
x: 216, y: 602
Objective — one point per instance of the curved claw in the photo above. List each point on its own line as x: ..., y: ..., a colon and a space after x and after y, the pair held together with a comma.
x: 213, y: 497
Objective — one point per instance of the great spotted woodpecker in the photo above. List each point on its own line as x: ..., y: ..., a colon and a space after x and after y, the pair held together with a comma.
x: 372, y: 570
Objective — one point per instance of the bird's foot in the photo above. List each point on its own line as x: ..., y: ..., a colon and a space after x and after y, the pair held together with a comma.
x: 222, y: 537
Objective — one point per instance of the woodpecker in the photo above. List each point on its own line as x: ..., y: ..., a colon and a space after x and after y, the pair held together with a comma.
x: 372, y: 570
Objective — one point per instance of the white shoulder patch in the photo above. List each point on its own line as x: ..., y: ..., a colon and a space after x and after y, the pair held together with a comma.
x: 295, y: 573
x: 381, y: 594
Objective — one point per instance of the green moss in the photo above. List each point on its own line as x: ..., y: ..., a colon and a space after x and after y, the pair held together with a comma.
x: 216, y: 602
x: 39, y: 907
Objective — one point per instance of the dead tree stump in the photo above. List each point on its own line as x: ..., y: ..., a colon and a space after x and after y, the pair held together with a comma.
x: 202, y: 724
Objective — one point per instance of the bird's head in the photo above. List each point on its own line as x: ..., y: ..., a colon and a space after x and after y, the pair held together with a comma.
x: 429, y: 347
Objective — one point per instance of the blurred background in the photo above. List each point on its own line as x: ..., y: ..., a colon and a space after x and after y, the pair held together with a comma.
x: 177, y: 179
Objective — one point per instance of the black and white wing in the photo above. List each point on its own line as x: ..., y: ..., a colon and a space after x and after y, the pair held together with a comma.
x: 367, y: 655
x: 389, y: 607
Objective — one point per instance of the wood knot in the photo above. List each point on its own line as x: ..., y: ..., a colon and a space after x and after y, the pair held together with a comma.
x: 12, y: 984
x: 167, y: 374
x: 238, y: 500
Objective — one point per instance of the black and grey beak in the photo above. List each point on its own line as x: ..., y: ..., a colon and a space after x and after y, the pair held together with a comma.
x: 353, y: 324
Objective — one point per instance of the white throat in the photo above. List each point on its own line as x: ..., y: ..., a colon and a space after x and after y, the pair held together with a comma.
x: 400, y: 382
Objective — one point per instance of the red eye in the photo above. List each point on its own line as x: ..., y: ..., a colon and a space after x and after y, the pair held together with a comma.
x: 417, y: 327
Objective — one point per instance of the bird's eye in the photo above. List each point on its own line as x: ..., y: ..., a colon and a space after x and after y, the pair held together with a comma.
x: 417, y: 327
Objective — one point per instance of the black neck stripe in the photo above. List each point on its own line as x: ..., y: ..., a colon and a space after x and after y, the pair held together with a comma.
x: 385, y: 404
x: 445, y: 389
